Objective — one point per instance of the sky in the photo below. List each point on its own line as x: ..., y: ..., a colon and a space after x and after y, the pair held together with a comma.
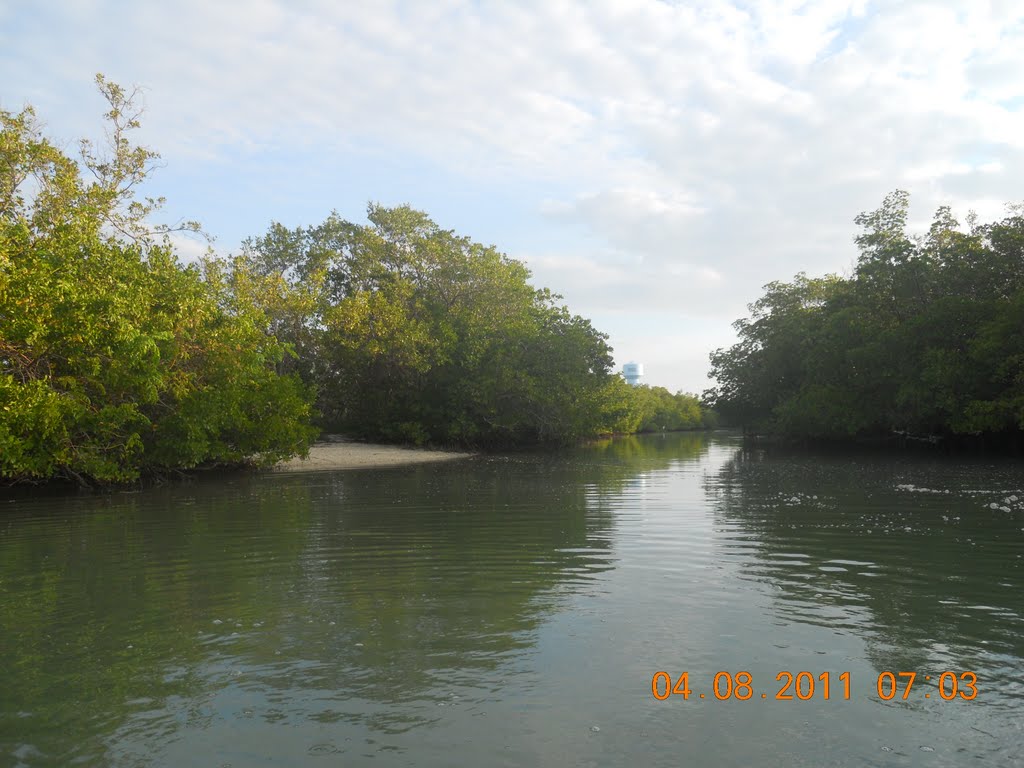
x: 655, y: 163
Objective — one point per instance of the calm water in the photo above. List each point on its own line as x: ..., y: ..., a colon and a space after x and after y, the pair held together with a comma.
x: 512, y: 612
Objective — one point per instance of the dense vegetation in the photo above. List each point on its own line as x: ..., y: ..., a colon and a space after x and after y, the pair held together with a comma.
x: 925, y: 338
x: 410, y: 332
x: 118, y: 360
x: 660, y: 410
x: 114, y: 358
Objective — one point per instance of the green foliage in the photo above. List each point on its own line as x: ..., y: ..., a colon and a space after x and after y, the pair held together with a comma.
x: 924, y: 338
x: 658, y: 410
x: 114, y: 358
x: 413, y: 333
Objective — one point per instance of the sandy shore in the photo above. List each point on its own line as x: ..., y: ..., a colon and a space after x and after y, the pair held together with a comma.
x: 342, y: 454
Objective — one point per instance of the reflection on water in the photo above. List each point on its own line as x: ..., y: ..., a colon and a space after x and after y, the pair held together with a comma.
x: 512, y: 610
x: 934, y: 567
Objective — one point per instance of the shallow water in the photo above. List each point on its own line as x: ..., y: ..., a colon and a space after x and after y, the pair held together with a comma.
x: 513, y: 611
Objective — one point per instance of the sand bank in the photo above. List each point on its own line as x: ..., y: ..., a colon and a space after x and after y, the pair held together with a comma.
x: 343, y: 454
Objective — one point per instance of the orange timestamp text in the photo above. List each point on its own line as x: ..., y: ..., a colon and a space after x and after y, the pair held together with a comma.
x: 804, y: 686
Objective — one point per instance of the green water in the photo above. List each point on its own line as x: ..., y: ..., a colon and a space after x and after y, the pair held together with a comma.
x: 511, y: 611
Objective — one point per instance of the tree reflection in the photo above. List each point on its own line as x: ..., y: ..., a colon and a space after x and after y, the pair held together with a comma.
x: 130, y: 617
x: 925, y: 577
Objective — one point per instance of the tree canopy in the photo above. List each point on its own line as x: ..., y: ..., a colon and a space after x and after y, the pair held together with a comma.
x: 410, y: 332
x: 116, y: 359
x: 925, y: 338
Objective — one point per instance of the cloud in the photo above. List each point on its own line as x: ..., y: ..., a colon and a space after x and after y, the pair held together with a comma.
x: 688, y: 153
x: 189, y: 247
x: 777, y: 152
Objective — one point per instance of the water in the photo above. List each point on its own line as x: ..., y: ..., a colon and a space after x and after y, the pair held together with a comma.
x: 512, y: 611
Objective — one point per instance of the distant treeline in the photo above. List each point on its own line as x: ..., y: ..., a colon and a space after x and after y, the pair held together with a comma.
x: 924, y: 340
x: 117, y: 360
x: 659, y: 410
x: 409, y: 332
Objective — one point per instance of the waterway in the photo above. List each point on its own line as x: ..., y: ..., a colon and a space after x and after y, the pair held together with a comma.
x: 514, y: 610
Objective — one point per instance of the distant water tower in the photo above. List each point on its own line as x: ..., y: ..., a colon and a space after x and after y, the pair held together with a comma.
x: 633, y: 372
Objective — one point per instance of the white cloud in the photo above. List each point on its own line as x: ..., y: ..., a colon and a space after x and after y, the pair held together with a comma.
x: 189, y: 247
x: 701, y: 149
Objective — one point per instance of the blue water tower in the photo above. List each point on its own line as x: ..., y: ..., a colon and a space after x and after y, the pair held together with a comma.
x: 633, y: 372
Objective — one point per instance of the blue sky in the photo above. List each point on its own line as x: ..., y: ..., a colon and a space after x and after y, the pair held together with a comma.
x: 654, y: 162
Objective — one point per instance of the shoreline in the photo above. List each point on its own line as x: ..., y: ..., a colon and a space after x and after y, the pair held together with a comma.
x: 339, y: 453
